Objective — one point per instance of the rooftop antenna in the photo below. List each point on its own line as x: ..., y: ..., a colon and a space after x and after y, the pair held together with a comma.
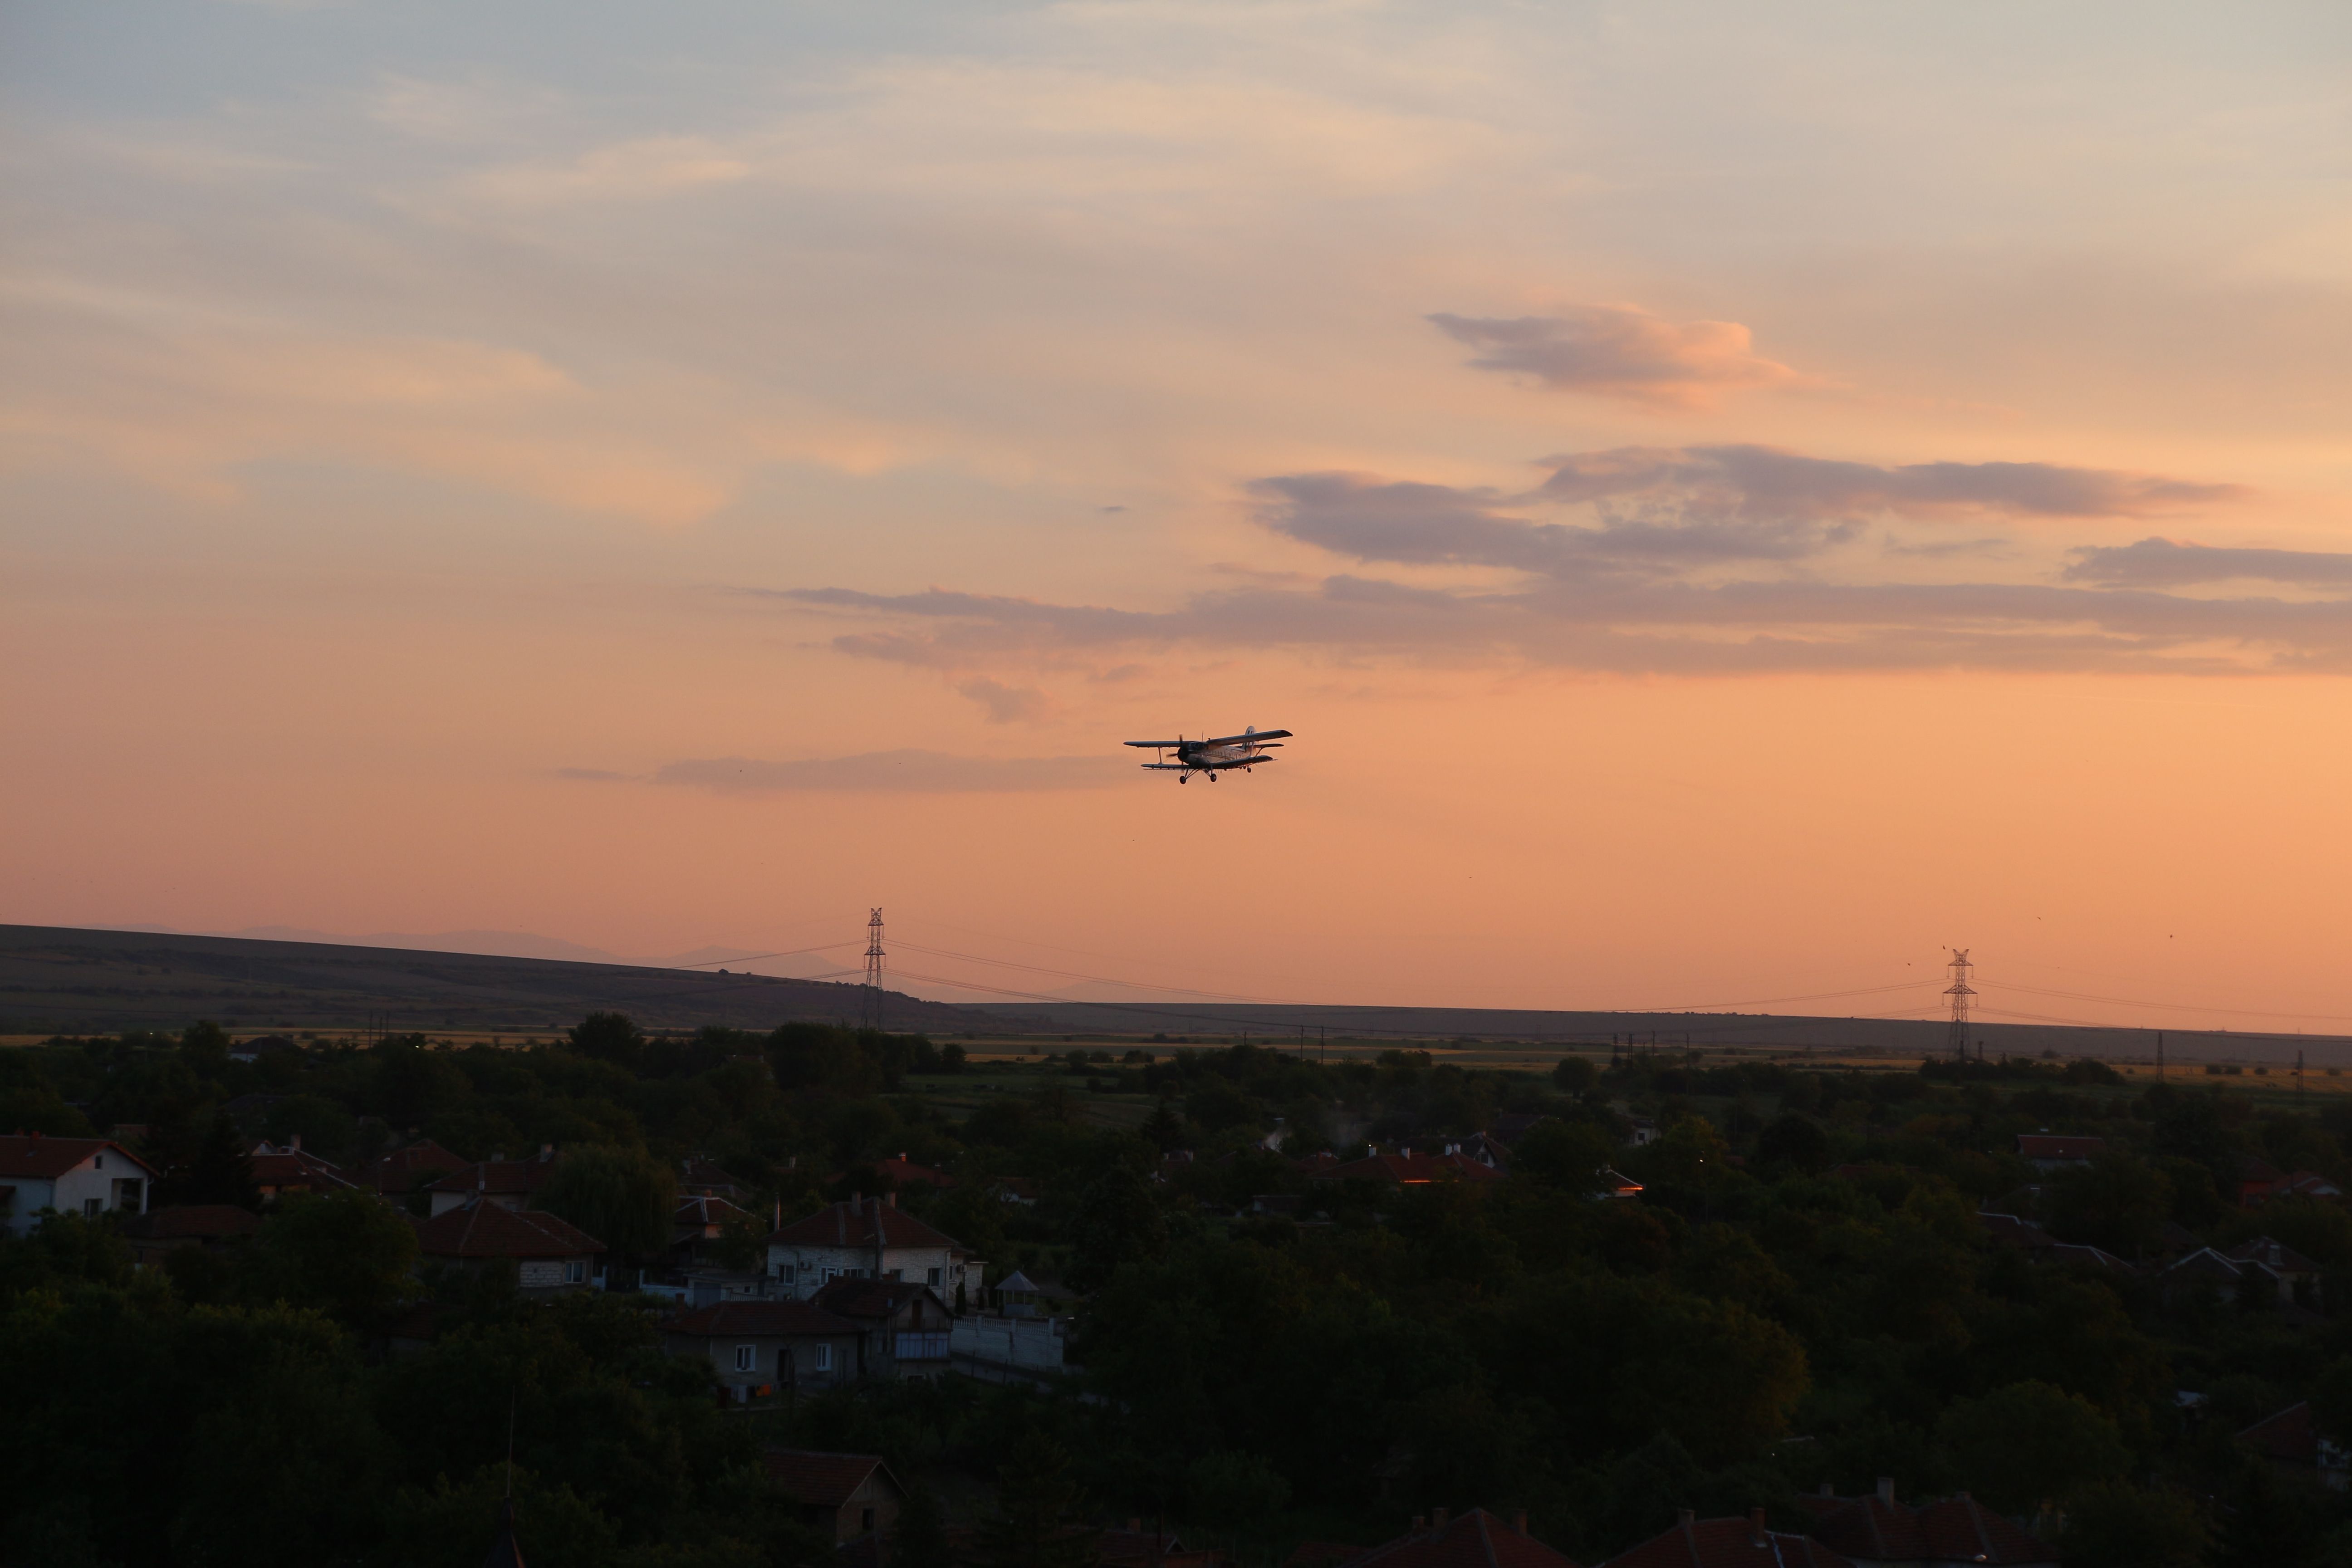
x: 869, y: 1008
x: 1959, y: 991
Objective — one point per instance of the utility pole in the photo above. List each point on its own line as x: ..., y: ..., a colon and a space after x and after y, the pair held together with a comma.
x: 1959, y: 991
x: 2159, y: 1055
x: 869, y: 1007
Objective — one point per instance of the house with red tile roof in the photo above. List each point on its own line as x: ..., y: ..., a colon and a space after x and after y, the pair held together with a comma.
x: 845, y: 1496
x: 904, y: 1325
x: 2262, y: 1265
x: 86, y: 1177
x: 2292, y: 1441
x: 902, y: 1173
x: 281, y: 1169
x: 1877, y: 1531
x: 403, y: 1171
x: 1408, y: 1169
x: 868, y: 1238
x: 549, y: 1255
x: 757, y: 1347
x: 509, y: 1184
x: 701, y: 1178
x: 1474, y: 1539
x: 1696, y: 1543
x: 2047, y: 1152
x: 157, y: 1234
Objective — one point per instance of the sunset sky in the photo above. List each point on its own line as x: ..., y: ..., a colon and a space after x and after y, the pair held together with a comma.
x: 1731, y: 499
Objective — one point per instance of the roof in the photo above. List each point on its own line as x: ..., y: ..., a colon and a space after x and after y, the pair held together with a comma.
x: 2288, y: 1435
x: 486, y: 1230
x: 699, y: 1172
x: 502, y: 1176
x: 2072, y: 1252
x: 1410, y: 1169
x: 2275, y: 1255
x: 1958, y: 1528
x: 36, y: 1158
x: 192, y: 1221
x: 758, y: 1320
x: 2059, y: 1146
x: 1017, y: 1281
x: 704, y: 1211
x: 1474, y: 1540
x: 861, y: 1223
x: 2253, y: 1168
x: 2016, y: 1232
x: 1136, y: 1545
x: 278, y: 1168
x: 1727, y: 1543
x: 2310, y: 1184
x: 822, y: 1479
x: 398, y: 1172
x: 871, y: 1297
x: 905, y: 1173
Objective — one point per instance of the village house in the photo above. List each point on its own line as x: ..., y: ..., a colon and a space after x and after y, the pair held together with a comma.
x: 550, y: 1257
x: 903, y: 1174
x: 403, y: 1170
x: 1474, y: 1540
x: 698, y: 1224
x: 2048, y: 1152
x: 904, y: 1326
x: 283, y: 1169
x: 1877, y: 1531
x: 509, y: 1184
x: 844, y: 1496
x: 89, y: 1176
x: 2292, y: 1441
x: 2261, y: 1268
x: 866, y: 1239
x: 1407, y: 1169
x: 1696, y: 1543
x: 2258, y: 1180
x: 157, y: 1234
x: 759, y: 1347
x: 700, y: 1178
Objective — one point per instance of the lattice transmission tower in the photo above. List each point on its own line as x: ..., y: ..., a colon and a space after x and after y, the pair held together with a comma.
x: 1959, y: 991
x: 869, y: 1006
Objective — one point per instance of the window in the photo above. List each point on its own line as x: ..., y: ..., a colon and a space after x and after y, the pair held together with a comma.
x: 865, y: 1519
x: 575, y: 1272
x: 786, y: 1272
x: 93, y: 1206
x: 747, y: 1358
x: 897, y: 1273
x: 98, y: 1162
x: 825, y: 1358
x: 931, y: 1278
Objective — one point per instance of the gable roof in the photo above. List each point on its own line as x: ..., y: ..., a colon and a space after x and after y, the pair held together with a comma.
x: 871, y: 1297
x: 2289, y: 1436
x: 704, y: 1211
x: 822, y: 1479
x: 504, y: 1177
x: 1727, y: 1543
x: 1409, y: 1170
x: 758, y: 1320
x: 1958, y: 1528
x: 2275, y: 1255
x: 2016, y: 1232
x: 1474, y: 1539
x: 486, y: 1230
x: 399, y: 1170
x: 862, y: 1223
x: 36, y: 1158
x: 278, y: 1169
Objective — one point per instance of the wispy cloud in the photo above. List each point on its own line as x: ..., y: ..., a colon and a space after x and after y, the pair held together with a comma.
x: 2161, y: 564
x: 907, y: 771
x: 1620, y: 351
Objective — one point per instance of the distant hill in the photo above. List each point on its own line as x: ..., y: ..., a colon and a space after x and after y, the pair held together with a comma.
x: 61, y: 979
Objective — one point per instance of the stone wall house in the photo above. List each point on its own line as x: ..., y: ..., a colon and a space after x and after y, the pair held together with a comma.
x: 905, y: 1328
x: 866, y: 1239
x: 509, y: 1184
x: 282, y: 1170
x: 771, y: 1346
x: 1877, y: 1531
x: 549, y: 1255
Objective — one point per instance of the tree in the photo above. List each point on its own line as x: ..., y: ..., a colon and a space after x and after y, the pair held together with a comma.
x: 2029, y: 1444
x: 1238, y: 1494
x: 2116, y: 1202
x: 609, y: 1036
x: 346, y: 1253
x: 1558, y: 1154
x: 2112, y: 1525
x: 952, y: 1058
x: 1037, y: 1503
x: 1574, y: 1075
x: 1117, y: 1221
x: 204, y: 1045
x: 922, y: 1533
x: 1794, y: 1142
x: 1164, y: 1128
x: 223, y: 1169
x: 622, y: 1198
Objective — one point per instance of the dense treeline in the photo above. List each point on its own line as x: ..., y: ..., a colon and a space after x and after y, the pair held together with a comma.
x: 1802, y: 1294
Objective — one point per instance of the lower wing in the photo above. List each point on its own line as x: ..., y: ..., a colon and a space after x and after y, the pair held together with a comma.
x: 1169, y: 767
x: 1236, y: 762
x: 1154, y: 745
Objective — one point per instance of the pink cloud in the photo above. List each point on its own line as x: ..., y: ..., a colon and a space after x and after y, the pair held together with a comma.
x: 1622, y: 350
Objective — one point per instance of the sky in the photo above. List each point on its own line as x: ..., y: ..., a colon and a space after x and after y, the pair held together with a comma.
x: 1732, y: 502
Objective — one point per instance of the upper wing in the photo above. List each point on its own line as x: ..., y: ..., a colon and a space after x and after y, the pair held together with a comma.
x: 1164, y: 745
x: 1245, y: 740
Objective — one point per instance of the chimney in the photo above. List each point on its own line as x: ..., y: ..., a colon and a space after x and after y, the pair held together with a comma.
x: 1886, y: 1491
x: 1420, y: 1523
x: 1436, y: 1520
x: 294, y: 1145
x: 857, y: 1203
x: 1685, y: 1517
x: 1519, y: 1520
x: 547, y: 1151
x: 1757, y: 1534
x: 890, y: 1198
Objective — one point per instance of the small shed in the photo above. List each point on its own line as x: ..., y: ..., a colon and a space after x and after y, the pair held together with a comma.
x: 848, y: 1496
